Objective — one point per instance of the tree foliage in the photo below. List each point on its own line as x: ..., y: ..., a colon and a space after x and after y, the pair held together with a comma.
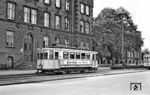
x: 108, y: 27
x: 146, y: 51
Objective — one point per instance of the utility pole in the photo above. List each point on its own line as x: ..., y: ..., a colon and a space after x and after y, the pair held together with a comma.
x: 122, y: 43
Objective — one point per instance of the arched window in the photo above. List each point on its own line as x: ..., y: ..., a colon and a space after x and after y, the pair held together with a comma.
x: 81, y: 44
x: 82, y: 26
x: 87, y: 28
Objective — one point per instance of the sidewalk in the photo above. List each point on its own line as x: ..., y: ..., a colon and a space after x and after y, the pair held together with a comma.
x: 108, y: 69
x: 16, y: 72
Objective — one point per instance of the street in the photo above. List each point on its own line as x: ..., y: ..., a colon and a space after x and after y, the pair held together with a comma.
x: 118, y: 84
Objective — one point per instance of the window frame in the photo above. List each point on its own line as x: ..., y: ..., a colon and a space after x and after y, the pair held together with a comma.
x: 44, y: 44
x: 67, y: 42
x: 46, y: 2
x: 79, y: 55
x: 82, y: 45
x: 87, y: 25
x: 82, y: 11
x: 88, y: 56
x: 49, y: 19
x: 13, y: 3
x: 66, y: 5
x: 55, y: 55
x: 87, y: 43
x: 8, y: 37
x: 82, y: 30
x: 29, y: 14
x: 65, y: 53
x: 51, y: 54
x: 31, y: 9
x: 67, y: 22
x: 57, y: 40
x: 45, y: 55
x: 87, y: 6
x: 59, y: 4
x: 72, y: 56
x: 58, y: 21
x: 83, y: 57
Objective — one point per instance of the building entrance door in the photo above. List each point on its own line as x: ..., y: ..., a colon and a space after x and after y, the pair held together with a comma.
x: 28, y: 48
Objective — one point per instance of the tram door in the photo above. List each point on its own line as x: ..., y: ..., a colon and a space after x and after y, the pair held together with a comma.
x: 28, y: 48
x: 56, y: 59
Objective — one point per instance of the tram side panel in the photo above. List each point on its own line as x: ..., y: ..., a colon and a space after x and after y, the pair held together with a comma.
x: 78, y: 64
x: 47, y: 64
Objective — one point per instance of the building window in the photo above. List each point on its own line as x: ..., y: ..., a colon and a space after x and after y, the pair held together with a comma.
x: 67, y: 5
x: 30, y: 15
x: 57, y: 41
x: 66, y: 42
x: 82, y: 26
x: 10, y: 38
x: 47, y: 1
x: 58, y: 3
x: 87, y: 10
x: 82, y: 8
x: 57, y: 23
x: 128, y: 54
x: 26, y: 15
x: 87, y: 45
x: 11, y: 11
x: 45, y: 42
x: 46, y: 19
x: 33, y: 16
x: 81, y: 44
x: 87, y: 29
x: 67, y: 24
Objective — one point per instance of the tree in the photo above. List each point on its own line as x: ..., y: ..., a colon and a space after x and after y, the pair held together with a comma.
x: 107, y: 31
x: 146, y: 51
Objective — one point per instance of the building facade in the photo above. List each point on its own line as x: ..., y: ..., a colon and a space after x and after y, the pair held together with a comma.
x: 26, y: 25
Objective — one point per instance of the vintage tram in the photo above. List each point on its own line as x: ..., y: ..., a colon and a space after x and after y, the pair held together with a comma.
x: 66, y: 60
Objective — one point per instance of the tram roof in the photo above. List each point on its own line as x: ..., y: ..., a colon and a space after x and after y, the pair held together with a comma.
x: 67, y: 49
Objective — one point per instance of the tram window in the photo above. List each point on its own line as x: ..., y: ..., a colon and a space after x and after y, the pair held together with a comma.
x: 77, y: 55
x: 66, y: 55
x: 45, y: 55
x: 82, y: 55
x: 88, y: 56
x: 41, y: 55
x: 72, y: 55
x: 51, y: 54
x: 93, y: 57
x: 96, y: 56
x: 38, y: 55
x: 56, y: 55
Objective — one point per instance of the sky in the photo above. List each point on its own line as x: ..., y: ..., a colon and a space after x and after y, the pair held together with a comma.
x: 139, y: 10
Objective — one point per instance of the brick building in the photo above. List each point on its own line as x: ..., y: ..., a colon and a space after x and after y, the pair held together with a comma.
x: 26, y: 25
